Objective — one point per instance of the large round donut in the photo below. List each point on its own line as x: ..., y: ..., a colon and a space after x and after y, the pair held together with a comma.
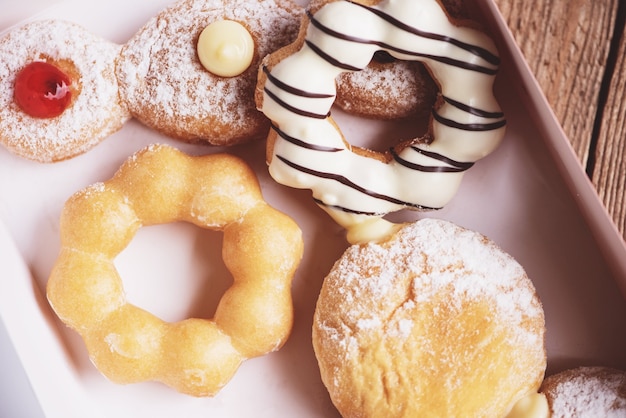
x: 357, y: 187
x: 261, y: 248
x: 437, y: 321
x: 95, y: 110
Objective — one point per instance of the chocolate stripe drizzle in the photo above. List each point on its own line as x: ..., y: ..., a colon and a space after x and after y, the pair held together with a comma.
x: 456, y: 166
x: 302, y: 143
x: 294, y: 109
x: 476, y: 50
x: 472, y: 110
x: 330, y: 59
x: 443, y: 158
x: 471, y: 127
x: 358, y: 212
x: 388, y: 47
x: 293, y: 90
x: 348, y: 183
x: 344, y: 209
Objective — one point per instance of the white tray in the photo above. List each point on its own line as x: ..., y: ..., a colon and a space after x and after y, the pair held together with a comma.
x: 530, y: 196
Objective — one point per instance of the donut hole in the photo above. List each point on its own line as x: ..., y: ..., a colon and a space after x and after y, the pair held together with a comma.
x: 378, y: 135
x: 175, y: 271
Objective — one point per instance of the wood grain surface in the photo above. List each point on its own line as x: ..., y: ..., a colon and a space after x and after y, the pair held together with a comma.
x: 577, y: 51
x: 609, y: 173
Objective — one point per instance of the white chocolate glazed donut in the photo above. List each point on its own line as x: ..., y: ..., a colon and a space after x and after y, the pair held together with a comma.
x: 306, y: 149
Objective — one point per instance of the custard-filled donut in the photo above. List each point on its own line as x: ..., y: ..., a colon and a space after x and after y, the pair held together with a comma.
x: 357, y: 187
x: 586, y: 392
x: 261, y: 248
x: 167, y: 87
x: 58, y: 91
x: 436, y: 321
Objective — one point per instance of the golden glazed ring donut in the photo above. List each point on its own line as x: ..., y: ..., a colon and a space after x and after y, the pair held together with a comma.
x: 357, y: 187
x: 262, y: 248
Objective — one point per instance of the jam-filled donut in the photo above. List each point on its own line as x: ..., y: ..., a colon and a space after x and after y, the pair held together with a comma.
x: 588, y: 391
x: 435, y: 321
x: 58, y: 91
x: 167, y: 87
x: 357, y: 187
x: 262, y: 247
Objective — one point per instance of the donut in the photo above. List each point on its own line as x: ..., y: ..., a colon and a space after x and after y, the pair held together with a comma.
x: 358, y: 187
x: 586, y: 391
x: 58, y: 91
x: 435, y: 321
x: 167, y: 88
x: 262, y: 247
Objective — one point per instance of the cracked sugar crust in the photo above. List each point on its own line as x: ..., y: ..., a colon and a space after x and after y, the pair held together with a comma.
x: 167, y: 88
x: 431, y: 320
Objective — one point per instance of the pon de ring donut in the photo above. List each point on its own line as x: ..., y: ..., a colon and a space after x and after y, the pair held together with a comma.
x: 262, y: 248
x: 358, y: 187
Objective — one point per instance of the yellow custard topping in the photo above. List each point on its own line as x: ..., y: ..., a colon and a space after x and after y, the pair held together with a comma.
x: 225, y: 48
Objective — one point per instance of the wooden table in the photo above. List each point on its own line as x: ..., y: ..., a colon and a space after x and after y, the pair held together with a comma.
x: 577, y: 51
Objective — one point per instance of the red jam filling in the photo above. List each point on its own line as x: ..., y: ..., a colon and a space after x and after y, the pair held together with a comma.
x: 42, y: 90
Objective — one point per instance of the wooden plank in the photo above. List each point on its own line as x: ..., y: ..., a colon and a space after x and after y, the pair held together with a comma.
x: 566, y: 43
x: 609, y: 175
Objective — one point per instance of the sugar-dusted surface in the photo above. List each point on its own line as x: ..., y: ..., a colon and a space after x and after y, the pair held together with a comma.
x: 167, y: 87
x: 387, y: 91
x: 525, y: 208
x: 95, y: 113
x: 587, y: 392
x: 418, y: 317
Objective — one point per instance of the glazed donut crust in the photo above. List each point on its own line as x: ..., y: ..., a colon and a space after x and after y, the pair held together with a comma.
x: 261, y: 248
x: 437, y: 321
x: 167, y: 88
x: 95, y: 111
x: 586, y: 392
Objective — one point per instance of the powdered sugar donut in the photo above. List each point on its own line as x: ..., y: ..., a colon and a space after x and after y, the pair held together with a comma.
x: 586, y: 392
x: 93, y: 110
x: 167, y: 88
x: 435, y: 321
